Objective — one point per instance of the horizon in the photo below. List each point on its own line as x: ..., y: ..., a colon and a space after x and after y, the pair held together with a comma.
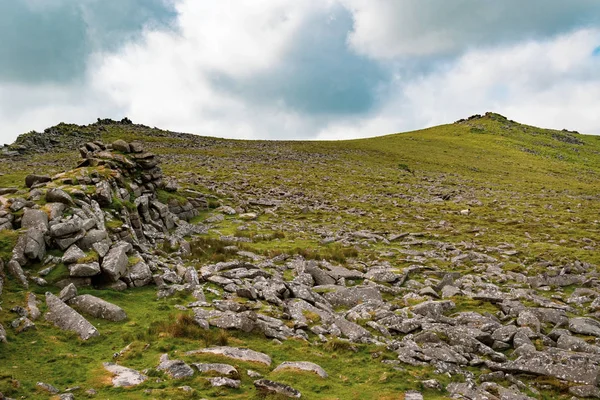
x: 333, y: 70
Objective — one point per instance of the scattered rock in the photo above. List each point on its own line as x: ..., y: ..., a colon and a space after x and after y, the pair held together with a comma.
x: 267, y: 386
x: 124, y: 377
x: 64, y: 317
x: 302, y: 366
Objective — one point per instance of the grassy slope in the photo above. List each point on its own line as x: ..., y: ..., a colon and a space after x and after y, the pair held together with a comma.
x: 535, y: 192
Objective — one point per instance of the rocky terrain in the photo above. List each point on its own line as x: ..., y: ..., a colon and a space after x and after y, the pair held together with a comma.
x: 456, y: 262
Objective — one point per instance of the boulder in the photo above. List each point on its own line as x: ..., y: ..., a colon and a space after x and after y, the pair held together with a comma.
x: 98, y: 308
x: 72, y: 255
x: 302, y: 366
x: 65, y: 318
x: 124, y: 377
x: 176, y: 369
x: 138, y: 275
x: 350, y: 297
x: 34, y: 219
x: 433, y: 308
x: 84, y: 270
x: 224, y: 382
x: 584, y: 326
x: 244, y: 321
x: 14, y: 268
x: 92, y: 237
x: 66, y: 228
x: 104, y: 194
x: 35, y: 245
x: 68, y: 292
x: 58, y: 196
x: 31, y: 180
x: 221, y: 369
x: 115, y: 262
x: 121, y: 145
x: 235, y: 353
x: 2, y: 334
x: 270, y: 387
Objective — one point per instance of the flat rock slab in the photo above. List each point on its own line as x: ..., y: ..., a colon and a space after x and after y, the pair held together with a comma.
x: 64, y: 317
x: 303, y: 366
x: 222, y: 369
x: 98, y: 308
x: 226, y: 382
x: 235, y: 353
x: 267, y: 386
x: 124, y: 377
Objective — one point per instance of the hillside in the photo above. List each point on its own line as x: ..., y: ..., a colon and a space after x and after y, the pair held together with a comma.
x: 459, y: 260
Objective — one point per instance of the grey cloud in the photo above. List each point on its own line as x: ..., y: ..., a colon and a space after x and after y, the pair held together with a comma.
x: 51, y: 40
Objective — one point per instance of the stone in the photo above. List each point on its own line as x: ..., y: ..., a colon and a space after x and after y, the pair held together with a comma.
x: 32, y: 307
x: 115, y: 262
x: 124, y: 377
x: 235, y: 353
x: 270, y: 387
x: 14, y: 268
x: 36, y: 219
x: 66, y: 228
x: 585, y: 391
x: 350, y: 297
x: 68, y: 292
x: 176, y: 369
x: 138, y: 275
x: 433, y: 308
x: 224, y: 382
x: 302, y: 366
x: 584, y: 326
x: 92, y: 237
x: 84, y: 270
x: 221, y: 369
x: 2, y: 334
x: 413, y: 395
x: 104, y: 194
x: 244, y: 321
x: 58, y: 196
x: 320, y: 276
x: 46, y: 387
x: 121, y: 145
x: 35, y: 245
x: 65, y: 318
x: 72, y: 255
x: 98, y: 308
x: 32, y: 179
x: 23, y: 324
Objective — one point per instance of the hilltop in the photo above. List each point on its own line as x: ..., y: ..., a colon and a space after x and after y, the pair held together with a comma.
x: 459, y: 260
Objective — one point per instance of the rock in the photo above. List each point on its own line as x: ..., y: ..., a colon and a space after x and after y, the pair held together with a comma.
x: 23, y: 324
x: 64, y: 317
x: 226, y: 382
x: 35, y: 219
x: 68, y: 292
x: 35, y: 245
x: 58, y: 196
x: 104, y: 194
x: 350, y: 297
x: 505, y: 333
x: 235, y: 353
x: 221, y: 369
x: 136, y: 147
x: 31, y: 180
x: 243, y: 321
x: 303, y: 366
x: 121, y: 145
x: 66, y: 228
x: 84, y: 270
x: 572, y: 343
x: 72, y: 255
x: 584, y: 326
x: 413, y: 395
x: 138, y: 275
x: 14, y: 268
x: 270, y: 387
x: 32, y: 308
x: 66, y: 396
x: 98, y: 308
x: 320, y: 276
x: 47, y: 387
x: 92, y: 237
x: 124, y: 377
x: 115, y: 263
x: 176, y: 369
x: 2, y: 334
x: 585, y: 391
x: 433, y: 308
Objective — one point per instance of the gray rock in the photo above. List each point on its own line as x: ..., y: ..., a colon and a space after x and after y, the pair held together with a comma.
x: 584, y: 326
x: 221, y: 369
x: 320, y: 276
x: 176, y: 369
x: 350, y: 297
x: 433, y: 308
x: 115, y: 263
x: 138, y: 275
x: 64, y: 317
x: 244, y: 321
x: 413, y: 395
x: 585, y: 391
x: 36, y: 219
x: 98, y: 308
x: 31, y: 180
x: 224, y: 382
x: 505, y: 333
x: 35, y: 245
x: 67, y: 228
x: 68, y: 292
x: 124, y: 377
x: 32, y: 307
x: 66, y: 396
x: 84, y: 270
x: 14, y: 268
x: 270, y: 387
x: 72, y: 254
x: 122, y: 146
x: 23, y: 324
x: 235, y: 353
x: 46, y: 387
x: 58, y: 196
x: 2, y: 334
x: 352, y: 331
x: 92, y: 237
x: 302, y: 366
x: 571, y: 343
x: 104, y: 194
x: 65, y: 242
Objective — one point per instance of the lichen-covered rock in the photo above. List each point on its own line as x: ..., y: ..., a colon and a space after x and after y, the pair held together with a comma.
x: 222, y: 369
x: 64, y: 317
x: 124, y: 377
x: 176, y: 369
x: 224, y: 382
x: 58, y: 196
x: 72, y: 255
x: 68, y: 292
x: 235, y: 353
x: 138, y: 275
x: 98, y: 308
x: 271, y: 387
x: 115, y: 263
x: 32, y: 179
x: 302, y: 366
x: 84, y: 270
x: 14, y: 268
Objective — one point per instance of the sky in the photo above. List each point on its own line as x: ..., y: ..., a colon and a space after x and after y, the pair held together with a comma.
x: 302, y: 69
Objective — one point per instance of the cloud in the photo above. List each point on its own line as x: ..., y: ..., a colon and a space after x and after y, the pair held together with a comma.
x: 389, y: 28
x: 277, y: 69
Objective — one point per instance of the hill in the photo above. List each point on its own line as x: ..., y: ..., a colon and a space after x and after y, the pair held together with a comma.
x: 456, y: 260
